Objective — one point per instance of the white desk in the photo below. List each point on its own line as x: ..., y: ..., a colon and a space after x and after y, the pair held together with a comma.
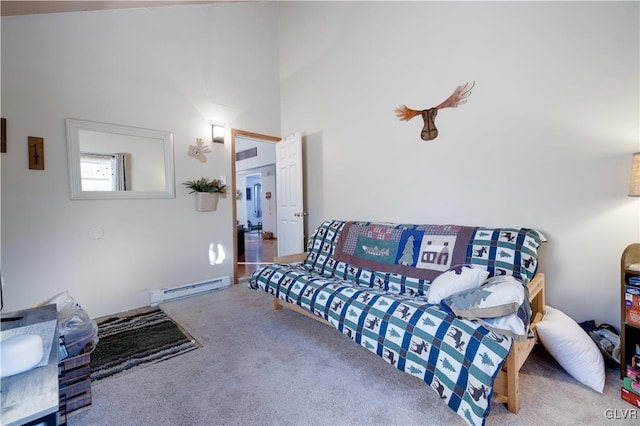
x: 32, y: 395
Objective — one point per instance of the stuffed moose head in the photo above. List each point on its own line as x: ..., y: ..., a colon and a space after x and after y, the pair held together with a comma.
x: 429, y: 131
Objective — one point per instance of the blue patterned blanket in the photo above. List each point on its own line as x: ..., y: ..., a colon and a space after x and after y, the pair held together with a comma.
x: 457, y: 358
x: 388, y: 313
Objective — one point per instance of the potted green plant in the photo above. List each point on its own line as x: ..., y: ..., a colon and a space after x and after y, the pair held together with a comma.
x: 207, y: 193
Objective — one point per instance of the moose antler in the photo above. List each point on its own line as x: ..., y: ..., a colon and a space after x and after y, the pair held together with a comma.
x: 429, y: 131
x: 458, y: 97
x: 406, y: 114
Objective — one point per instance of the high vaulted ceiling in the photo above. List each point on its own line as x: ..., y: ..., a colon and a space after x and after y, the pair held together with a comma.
x: 10, y: 8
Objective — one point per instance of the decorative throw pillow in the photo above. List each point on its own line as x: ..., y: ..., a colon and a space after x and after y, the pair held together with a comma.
x: 497, y: 297
x: 454, y: 280
x: 572, y: 347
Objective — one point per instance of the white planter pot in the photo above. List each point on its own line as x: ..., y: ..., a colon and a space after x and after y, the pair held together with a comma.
x: 207, y: 201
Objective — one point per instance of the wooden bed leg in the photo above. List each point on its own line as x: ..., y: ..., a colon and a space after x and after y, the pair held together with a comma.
x: 513, y: 383
x: 276, y: 304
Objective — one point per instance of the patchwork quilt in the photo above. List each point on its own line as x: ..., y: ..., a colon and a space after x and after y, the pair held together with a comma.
x: 388, y: 313
x: 420, y: 251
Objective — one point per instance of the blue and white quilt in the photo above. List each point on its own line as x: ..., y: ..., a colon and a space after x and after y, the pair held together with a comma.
x: 389, y: 315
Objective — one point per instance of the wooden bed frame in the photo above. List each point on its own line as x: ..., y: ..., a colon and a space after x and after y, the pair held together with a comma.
x: 506, y: 387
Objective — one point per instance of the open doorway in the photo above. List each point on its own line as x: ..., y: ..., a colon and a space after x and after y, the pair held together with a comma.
x: 254, y: 210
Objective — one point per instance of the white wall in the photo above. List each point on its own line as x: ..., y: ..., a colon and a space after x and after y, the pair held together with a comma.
x: 170, y: 68
x: 266, y: 153
x: 544, y: 141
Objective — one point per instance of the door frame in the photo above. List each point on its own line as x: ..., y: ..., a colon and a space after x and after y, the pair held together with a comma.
x: 234, y: 218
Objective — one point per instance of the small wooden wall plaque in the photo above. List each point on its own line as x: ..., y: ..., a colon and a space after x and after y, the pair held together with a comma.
x: 3, y: 135
x: 36, y: 153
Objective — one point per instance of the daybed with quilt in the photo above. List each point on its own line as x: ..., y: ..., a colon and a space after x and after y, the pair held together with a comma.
x: 449, y: 304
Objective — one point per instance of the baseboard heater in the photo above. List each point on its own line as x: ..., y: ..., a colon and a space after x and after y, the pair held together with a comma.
x: 188, y: 290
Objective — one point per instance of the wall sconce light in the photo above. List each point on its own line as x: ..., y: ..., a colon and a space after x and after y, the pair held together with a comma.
x: 634, y: 184
x: 217, y: 133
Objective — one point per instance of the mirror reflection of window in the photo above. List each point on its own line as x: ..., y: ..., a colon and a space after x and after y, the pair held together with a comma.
x: 104, y: 172
x: 145, y: 157
x: 146, y: 171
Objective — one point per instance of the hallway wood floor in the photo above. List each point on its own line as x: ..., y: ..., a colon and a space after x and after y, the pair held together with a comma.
x: 257, y: 252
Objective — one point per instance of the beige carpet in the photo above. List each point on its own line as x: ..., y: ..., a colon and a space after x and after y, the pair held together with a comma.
x: 258, y: 366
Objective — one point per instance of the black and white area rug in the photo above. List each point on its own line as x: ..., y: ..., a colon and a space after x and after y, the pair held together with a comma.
x: 135, y: 340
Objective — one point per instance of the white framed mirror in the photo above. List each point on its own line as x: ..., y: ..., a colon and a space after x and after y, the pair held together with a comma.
x: 111, y: 161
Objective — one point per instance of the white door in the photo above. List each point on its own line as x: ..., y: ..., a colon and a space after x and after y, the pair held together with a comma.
x: 290, y: 210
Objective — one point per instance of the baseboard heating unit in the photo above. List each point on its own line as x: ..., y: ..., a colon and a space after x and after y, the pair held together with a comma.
x: 188, y: 290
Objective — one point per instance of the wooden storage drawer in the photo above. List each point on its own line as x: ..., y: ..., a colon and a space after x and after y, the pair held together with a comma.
x: 74, y: 381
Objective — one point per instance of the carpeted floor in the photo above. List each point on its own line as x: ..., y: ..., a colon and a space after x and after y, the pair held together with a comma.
x: 259, y: 366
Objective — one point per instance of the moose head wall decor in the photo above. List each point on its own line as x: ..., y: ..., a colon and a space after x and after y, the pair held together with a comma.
x: 429, y: 131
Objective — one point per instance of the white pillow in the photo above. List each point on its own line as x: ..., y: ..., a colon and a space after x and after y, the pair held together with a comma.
x: 454, y: 280
x: 572, y: 347
x: 512, y: 325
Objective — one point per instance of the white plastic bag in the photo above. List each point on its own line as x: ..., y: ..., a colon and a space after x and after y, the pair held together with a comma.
x: 75, y: 326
